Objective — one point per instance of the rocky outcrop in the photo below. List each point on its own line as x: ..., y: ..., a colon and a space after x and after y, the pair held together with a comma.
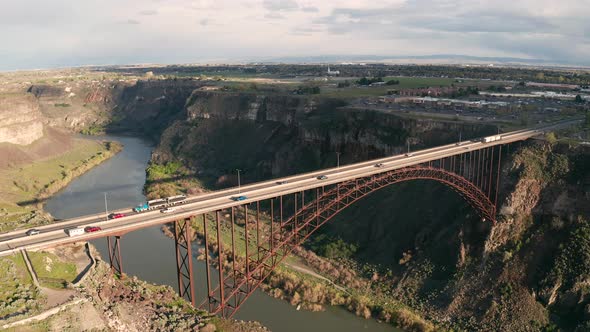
x: 20, y: 120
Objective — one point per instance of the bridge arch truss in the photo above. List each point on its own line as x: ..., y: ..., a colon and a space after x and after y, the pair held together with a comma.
x: 246, y: 264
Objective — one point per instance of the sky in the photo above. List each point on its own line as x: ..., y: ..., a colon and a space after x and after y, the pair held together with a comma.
x: 57, y: 33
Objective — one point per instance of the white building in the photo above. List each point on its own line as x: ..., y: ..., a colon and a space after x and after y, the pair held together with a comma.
x: 335, y: 72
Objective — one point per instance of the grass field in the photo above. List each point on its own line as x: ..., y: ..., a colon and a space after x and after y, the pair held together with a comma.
x: 17, y: 292
x: 40, y: 179
x: 25, y: 182
x: 52, y: 271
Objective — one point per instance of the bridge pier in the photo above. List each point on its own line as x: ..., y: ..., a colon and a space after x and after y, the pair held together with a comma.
x: 114, y: 247
x: 184, y: 259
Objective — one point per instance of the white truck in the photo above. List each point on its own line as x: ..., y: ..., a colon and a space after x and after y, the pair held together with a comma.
x: 74, y: 231
x: 491, y: 138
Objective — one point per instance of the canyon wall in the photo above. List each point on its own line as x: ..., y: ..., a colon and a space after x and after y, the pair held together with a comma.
x: 269, y: 135
x: 21, y: 121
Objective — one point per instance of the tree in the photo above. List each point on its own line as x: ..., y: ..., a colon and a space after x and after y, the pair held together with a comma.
x: 369, y: 81
x: 344, y: 84
x: 551, y: 138
x: 579, y: 99
x: 588, y: 119
x: 363, y: 81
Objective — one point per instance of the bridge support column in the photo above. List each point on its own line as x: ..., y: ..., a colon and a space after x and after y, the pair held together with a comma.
x: 184, y: 259
x: 114, y: 247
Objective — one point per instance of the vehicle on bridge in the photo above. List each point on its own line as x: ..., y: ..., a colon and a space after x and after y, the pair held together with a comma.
x: 322, y: 177
x: 116, y: 215
x: 379, y: 165
x: 32, y: 232
x: 168, y: 210
x: 281, y: 182
x: 160, y: 203
x: 409, y: 154
x: 239, y: 198
x: 178, y: 199
x: 75, y: 231
x: 491, y: 139
x: 92, y: 229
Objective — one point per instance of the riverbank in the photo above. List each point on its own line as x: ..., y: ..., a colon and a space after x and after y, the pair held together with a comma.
x: 26, y: 186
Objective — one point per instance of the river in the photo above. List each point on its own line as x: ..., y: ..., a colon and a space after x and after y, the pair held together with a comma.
x: 150, y: 255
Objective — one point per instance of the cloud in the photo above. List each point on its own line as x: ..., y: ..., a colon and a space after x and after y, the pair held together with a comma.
x: 274, y: 16
x: 310, y: 9
x: 280, y: 5
x: 37, y: 33
x: 298, y: 31
x: 148, y: 12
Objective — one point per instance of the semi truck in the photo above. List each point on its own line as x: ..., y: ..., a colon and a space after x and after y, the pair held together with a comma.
x: 491, y: 139
x: 160, y: 203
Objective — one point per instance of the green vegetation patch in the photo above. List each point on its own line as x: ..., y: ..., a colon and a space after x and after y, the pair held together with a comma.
x: 11, y: 213
x: 573, y: 261
x: 538, y: 162
x: 18, y: 295
x: 51, y: 270
x: 46, y: 177
x: 94, y: 129
x: 169, y: 179
x: 331, y: 247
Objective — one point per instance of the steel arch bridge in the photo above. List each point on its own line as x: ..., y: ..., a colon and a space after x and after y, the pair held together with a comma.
x: 235, y: 270
x: 260, y: 230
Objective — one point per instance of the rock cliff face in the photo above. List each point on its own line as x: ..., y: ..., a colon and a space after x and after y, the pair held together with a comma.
x: 20, y: 120
x: 148, y: 107
x: 269, y: 135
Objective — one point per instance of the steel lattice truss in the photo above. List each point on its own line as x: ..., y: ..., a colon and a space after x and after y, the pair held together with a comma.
x: 184, y: 262
x: 116, y: 262
x: 323, y: 206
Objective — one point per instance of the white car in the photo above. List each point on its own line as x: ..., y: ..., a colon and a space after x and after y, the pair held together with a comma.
x: 32, y: 231
x: 168, y: 210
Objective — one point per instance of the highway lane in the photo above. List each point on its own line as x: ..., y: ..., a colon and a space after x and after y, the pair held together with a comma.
x: 266, y: 189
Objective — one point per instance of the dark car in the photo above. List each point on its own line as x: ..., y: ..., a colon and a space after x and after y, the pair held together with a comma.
x: 322, y: 177
x: 91, y: 229
x: 281, y: 182
x: 116, y: 215
x: 239, y: 198
x: 379, y: 165
x: 32, y: 232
